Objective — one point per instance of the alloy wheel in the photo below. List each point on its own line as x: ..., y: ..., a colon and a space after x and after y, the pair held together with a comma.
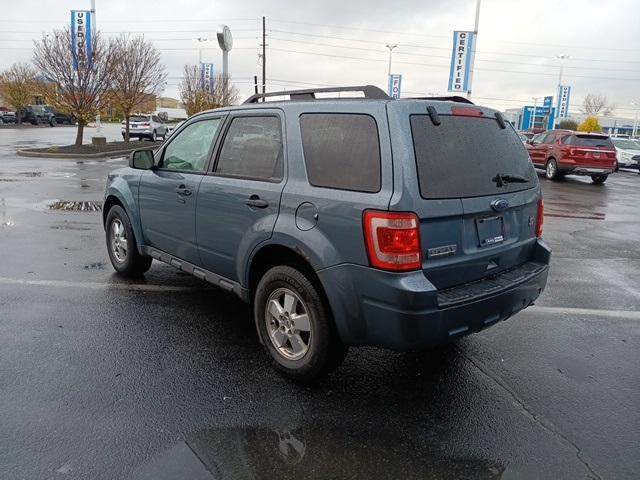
x: 118, y: 240
x: 288, y: 324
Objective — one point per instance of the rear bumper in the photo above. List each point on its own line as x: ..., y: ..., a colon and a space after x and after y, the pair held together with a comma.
x: 591, y: 171
x: 407, y: 312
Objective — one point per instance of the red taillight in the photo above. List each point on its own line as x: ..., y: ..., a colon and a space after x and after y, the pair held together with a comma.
x: 540, y: 220
x: 393, y: 240
x: 145, y: 125
x: 467, y: 112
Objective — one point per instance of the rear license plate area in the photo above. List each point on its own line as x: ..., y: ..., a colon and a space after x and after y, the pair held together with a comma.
x: 490, y: 230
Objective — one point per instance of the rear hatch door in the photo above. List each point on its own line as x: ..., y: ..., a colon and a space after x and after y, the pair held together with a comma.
x: 593, y: 150
x: 476, y: 191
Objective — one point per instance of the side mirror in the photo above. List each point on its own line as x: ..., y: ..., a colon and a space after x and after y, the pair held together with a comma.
x: 142, y: 159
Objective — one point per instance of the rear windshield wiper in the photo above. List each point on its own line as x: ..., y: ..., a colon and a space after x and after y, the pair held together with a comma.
x: 502, y: 179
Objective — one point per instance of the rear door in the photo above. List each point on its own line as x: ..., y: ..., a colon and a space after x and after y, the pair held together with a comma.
x: 476, y: 194
x: 239, y: 199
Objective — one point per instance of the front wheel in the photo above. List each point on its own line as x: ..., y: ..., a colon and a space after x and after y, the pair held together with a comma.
x: 599, y: 179
x: 121, y: 245
x: 551, y: 170
x: 296, y: 326
x: 154, y: 136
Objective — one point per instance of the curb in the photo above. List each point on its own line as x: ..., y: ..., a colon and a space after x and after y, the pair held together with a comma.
x: 74, y: 156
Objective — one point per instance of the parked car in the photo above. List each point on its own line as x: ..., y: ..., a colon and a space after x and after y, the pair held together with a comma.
x: 565, y: 152
x: 628, y: 152
x: 7, y: 116
x: 61, y: 117
x: 173, y: 128
x: 145, y: 126
x: 37, y: 115
x: 332, y: 239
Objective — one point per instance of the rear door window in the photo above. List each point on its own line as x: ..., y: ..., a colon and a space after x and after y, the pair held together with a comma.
x: 593, y: 141
x: 252, y: 149
x: 462, y: 157
x: 341, y: 151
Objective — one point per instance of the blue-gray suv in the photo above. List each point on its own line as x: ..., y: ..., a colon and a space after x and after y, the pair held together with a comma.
x: 341, y: 221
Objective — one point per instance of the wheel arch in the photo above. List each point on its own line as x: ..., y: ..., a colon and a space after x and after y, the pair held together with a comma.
x: 115, y: 197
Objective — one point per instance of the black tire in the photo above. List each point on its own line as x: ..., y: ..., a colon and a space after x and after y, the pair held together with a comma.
x: 53, y: 122
x: 599, y: 179
x: 131, y: 264
x: 551, y: 169
x: 325, y: 351
x: 1, y: 120
x: 154, y: 136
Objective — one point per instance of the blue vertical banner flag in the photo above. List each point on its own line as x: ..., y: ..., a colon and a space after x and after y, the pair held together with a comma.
x: 548, y: 102
x: 207, y: 76
x: 81, y: 38
x: 563, y: 100
x: 461, y: 61
x: 395, y: 84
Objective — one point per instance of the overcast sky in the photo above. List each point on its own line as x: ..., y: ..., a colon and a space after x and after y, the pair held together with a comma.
x: 343, y: 42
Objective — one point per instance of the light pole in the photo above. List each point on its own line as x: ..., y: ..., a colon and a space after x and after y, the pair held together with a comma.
x: 473, y: 50
x: 390, y: 47
x: 635, y: 121
x: 200, y: 41
x: 562, y: 57
x: 533, y: 115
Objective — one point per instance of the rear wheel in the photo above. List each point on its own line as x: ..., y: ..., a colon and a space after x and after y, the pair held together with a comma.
x: 599, y: 179
x: 154, y: 136
x: 551, y: 169
x: 296, y: 326
x: 121, y: 245
x: 1, y: 120
x: 53, y: 122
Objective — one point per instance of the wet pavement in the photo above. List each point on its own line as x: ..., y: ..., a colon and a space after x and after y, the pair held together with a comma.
x: 163, y: 378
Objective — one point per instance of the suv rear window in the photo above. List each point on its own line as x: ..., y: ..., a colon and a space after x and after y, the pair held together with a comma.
x: 461, y: 157
x: 138, y: 118
x: 341, y: 151
x: 593, y: 141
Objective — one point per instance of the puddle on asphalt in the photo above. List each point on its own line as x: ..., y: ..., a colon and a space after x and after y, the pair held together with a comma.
x: 95, y: 266
x: 317, y: 452
x: 76, y: 205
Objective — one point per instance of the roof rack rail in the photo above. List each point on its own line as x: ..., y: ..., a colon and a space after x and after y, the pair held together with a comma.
x: 370, y: 91
x: 453, y: 98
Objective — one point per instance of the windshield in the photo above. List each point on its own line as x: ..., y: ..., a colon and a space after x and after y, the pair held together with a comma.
x: 462, y: 156
x: 626, y: 144
x: 593, y: 141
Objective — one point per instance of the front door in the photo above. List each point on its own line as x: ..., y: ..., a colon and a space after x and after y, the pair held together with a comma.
x: 238, y: 202
x: 167, y: 196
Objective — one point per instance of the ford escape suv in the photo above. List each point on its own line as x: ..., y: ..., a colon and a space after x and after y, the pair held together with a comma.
x: 341, y: 221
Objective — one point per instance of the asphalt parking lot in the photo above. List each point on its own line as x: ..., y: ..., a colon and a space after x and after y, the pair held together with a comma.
x: 103, y: 378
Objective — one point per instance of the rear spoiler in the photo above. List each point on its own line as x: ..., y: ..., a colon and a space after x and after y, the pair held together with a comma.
x: 453, y: 98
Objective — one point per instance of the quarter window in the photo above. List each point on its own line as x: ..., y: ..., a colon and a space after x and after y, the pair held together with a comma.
x: 191, y: 148
x: 253, y: 149
x: 341, y: 151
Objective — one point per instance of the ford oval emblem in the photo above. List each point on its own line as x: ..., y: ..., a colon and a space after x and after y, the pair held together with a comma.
x: 499, y: 204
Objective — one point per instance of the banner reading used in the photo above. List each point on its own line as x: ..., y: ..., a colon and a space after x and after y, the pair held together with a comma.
x: 81, y: 38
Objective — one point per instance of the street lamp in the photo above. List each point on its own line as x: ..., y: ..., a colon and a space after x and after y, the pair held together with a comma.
x: 562, y: 57
x: 390, y: 47
x: 200, y: 40
x: 533, y: 115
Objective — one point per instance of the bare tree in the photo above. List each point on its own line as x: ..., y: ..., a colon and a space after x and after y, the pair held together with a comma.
x: 82, y: 92
x: 595, y: 104
x: 197, y: 96
x: 137, y: 75
x: 17, y: 86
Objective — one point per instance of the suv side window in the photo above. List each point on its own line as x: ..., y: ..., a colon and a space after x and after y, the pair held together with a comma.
x: 567, y: 140
x: 155, y: 119
x: 341, y: 151
x: 252, y: 148
x: 191, y: 148
x: 549, y: 138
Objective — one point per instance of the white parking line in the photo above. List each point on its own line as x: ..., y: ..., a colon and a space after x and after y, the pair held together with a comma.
x: 98, y: 285
x: 594, y: 312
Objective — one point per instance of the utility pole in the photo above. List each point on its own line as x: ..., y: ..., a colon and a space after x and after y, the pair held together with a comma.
x: 390, y: 47
x: 264, y: 55
x: 473, y: 50
x: 533, y: 115
x: 255, y: 84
